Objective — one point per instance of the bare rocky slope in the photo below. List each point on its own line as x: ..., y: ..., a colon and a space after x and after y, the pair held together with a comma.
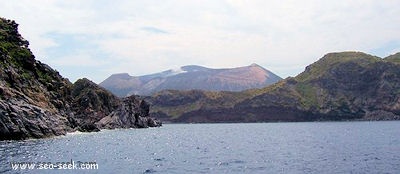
x: 339, y: 86
x: 191, y: 78
x: 36, y: 101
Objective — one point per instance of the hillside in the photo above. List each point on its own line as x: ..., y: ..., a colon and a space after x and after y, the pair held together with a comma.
x: 36, y: 101
x: 339, y: 86
x: 191, y: 78
x: 395, y: 58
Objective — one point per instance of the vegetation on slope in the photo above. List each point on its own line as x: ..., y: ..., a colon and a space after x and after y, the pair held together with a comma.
x: 395, y: 58
x: 36, y: 101
x: 339, y: 86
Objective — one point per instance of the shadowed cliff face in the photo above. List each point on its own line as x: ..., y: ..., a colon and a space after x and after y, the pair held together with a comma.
x: 340, y: 86
x: 33, y: 97
x: 95, y: 106
x: 36, y: 102
x: 90, y: 102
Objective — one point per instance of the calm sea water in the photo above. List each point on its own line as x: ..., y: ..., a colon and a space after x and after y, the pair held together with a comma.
x: 321, y: 147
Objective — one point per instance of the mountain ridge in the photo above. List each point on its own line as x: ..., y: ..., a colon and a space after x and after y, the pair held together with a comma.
x: 339, y: 86
x: 191, y: 77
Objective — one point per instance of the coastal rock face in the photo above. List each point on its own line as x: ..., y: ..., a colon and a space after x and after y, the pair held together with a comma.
x: 132, y: 113
x: 339, y: 86
x: 91, y: 102
x: 191, y: 78
x: 96, y: 108
x: 36, y: 101
x: 33, y: 97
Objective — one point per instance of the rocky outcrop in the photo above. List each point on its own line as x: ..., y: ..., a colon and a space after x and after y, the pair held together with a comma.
x: 191, y: 78
x: 96, y: 108
x: 36, y: 101
x: 122, y: 116
x: 91, y: 102
x: 33, y: 97
x: 339, y: 86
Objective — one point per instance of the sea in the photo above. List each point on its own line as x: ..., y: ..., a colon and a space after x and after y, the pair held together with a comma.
x: 306, y: 147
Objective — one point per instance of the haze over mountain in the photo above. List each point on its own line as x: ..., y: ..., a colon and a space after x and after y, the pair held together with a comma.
x: 191, y: 77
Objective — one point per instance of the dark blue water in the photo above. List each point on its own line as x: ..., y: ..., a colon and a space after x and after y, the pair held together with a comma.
x: 323, y: 147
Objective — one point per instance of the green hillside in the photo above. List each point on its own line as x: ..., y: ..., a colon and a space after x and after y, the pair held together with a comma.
x: 339, y: 86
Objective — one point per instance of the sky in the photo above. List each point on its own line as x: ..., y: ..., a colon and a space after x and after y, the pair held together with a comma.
x: 97, y: 38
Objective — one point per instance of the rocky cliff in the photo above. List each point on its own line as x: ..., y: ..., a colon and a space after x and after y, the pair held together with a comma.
x: 36, y: 101
x: 191, y: 78
x: 339, y: 86
x: 95, y: 107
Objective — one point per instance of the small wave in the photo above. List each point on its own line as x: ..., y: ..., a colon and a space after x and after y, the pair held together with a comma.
x: 77, y: 133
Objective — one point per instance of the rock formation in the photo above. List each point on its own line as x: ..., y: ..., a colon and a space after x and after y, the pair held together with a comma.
x: 36, y: 101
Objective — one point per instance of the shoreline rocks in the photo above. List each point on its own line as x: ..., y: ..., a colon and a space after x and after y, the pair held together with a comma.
x: 37, y: 102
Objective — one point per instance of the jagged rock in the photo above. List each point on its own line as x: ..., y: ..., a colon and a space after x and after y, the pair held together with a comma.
x: 381, y: 115
x: 153, y: 122
x: 91, y: 102
x: 19, y: 120
x: 133, y: 112
x: 28, y: 107
x: 88, y: 127
x: 36, y: 101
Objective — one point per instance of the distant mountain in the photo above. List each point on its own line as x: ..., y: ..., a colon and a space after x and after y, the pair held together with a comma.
x: 339, y: 86
x: 190, y: 78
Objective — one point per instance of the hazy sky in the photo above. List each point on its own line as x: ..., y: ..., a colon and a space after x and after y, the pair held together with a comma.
x: 97, y: 38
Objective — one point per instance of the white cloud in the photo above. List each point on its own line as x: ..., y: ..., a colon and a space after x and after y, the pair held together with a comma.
x: 283, y: 36
x: 78, y: 60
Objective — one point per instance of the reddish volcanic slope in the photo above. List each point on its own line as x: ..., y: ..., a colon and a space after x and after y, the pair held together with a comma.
x: 192, y: 77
